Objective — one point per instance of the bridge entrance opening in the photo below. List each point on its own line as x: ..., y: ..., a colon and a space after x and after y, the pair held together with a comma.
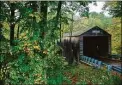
x: 95, y: 46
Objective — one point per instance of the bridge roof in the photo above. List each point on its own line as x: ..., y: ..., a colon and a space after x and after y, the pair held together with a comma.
x: 80, y: 32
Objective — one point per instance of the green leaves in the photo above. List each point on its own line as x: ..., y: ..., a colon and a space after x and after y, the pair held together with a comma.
x: 25, y: 12
x: 1, y: 58
x: 21, y: 58
x: 114, y: 8
x: 24, y: 68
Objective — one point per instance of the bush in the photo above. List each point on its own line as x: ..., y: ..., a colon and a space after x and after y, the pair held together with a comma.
x: 115, y: 56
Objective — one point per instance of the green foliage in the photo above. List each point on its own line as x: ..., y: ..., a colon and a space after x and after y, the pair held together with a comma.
x: 33, y: 59
x: 95, y: 19
x: 115, y: 31
x: 31, y: 64
x: 107, y: 23
x: 82, y: 75
x: 114, y: 8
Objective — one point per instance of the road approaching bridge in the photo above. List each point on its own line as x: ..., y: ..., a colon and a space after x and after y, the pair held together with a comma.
x: 111, y: 65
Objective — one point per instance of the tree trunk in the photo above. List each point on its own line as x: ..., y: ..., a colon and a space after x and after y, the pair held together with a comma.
x: 12, y: 34
x: 44, y: 17
x: 58, y: 13
x: 12, y: 24
x: 121, y: 33
x: 71, y: 59
x: 18, y: 33
x: 60, y: 27
x: 34, y: 5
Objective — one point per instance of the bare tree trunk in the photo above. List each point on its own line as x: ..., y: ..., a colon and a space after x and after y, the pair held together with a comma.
x: 57, y: 18
x: 43, y: 7
x: 34, y: 5
x: 12, y: 34
x: 60, y: 26
x: 58, y: 13
x: 121, y: 33
x: 18, y: 33
x: 12, y: 24
x: 71, y: 57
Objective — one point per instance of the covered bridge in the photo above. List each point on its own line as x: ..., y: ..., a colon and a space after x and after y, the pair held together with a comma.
x: 93, y: 42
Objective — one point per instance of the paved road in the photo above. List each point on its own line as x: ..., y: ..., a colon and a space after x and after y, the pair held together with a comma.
x: 118, y: 64
x: 111, y: 62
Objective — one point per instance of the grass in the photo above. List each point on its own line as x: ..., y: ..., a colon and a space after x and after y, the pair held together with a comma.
x: 83, y: 74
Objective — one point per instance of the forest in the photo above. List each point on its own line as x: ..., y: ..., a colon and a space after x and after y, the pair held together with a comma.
x: 30, y: 36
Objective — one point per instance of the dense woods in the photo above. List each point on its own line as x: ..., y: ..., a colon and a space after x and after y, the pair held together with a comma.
x: 30, y: 32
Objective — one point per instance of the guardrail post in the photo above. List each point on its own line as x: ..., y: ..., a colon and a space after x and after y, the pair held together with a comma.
x: 95, y: 61
x: 81, y: 57
x: 86, y: 58
x: 109, y: 67
x: 89, y: 59
x: 92, y: 61
x: 99, y: 64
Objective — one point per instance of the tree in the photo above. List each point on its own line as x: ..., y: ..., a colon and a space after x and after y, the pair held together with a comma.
x: 69, y: 8
x: 34, y: 59
x: 43, y: 10
x: 115, y: 9
x: 116, y: 35
x: 12, y: 23
x: 10, y: 11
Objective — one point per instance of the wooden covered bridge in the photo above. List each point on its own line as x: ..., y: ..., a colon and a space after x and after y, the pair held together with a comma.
x: 94, y: 42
